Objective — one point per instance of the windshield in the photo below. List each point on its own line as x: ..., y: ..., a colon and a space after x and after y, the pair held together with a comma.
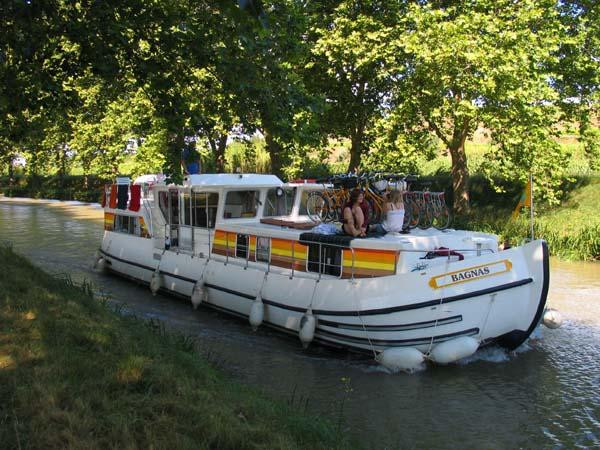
x: 279, y: 202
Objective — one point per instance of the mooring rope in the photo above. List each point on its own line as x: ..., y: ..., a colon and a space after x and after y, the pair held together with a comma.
x: 363, y: 324
x: 439, y: 306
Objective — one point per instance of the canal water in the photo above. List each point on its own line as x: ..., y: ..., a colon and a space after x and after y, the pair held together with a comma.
x: 545, y: 395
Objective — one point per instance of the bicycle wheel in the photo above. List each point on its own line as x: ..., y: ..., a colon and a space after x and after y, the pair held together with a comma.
x: 317, y: 207
x: 426, y: 217
x: 414, y: 214
x: 441, y: 218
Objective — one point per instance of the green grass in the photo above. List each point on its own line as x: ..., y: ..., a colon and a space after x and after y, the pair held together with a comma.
x: 581, y: 208
x: 75, y: 374
x: 572, y: 229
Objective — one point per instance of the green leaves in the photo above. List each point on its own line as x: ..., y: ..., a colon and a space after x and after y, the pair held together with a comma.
x: 137, y: 79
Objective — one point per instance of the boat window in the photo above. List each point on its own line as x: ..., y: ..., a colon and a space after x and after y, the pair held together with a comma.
x: 263, y: 249
x: 126, y: 224
x: 240, y: 204
x: 204, y: 209
x: 186, y: 209
x: 279, y: 202
x: 303, y: 199
x: 163, y: 204
x: 174, y: 207
x: 328, y: 262
x: 241, y: 246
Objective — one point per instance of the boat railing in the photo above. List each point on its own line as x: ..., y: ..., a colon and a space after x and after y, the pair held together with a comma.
x: 324, y: 259
x: 287, y: 257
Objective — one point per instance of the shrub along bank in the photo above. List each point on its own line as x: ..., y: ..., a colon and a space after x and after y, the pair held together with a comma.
x: 68, y: 187
x: 75, y: 374
x: 572, y: 229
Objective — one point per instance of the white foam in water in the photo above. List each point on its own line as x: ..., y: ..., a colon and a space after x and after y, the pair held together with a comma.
x: 378, y: 368
x: 489, y: 354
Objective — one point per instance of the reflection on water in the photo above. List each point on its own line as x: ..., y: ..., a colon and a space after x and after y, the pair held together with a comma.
x: 545, y: 395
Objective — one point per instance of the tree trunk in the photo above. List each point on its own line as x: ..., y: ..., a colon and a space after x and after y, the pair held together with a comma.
x: 11, y: 175
x: 275, y: 153
x: 218, y: 148
x: 460, y: 176
x: 460, y: 170
x: 173, y: 160
x: 356, y: 151
x: 355, y: 157
x: 358, y: 133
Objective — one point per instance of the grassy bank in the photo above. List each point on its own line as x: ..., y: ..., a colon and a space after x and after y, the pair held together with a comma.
x: 572, y: 228
x: 75, y: 374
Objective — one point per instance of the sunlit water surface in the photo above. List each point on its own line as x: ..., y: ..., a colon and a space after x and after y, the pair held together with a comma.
x: 547, y: 394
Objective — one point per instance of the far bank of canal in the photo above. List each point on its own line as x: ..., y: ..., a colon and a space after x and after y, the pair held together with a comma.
x: 546, y: 395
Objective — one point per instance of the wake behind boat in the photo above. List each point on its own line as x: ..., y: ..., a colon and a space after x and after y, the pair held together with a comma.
x: 246, y: 245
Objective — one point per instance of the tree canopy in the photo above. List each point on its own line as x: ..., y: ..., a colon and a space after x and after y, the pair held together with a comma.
x: 95, y: 83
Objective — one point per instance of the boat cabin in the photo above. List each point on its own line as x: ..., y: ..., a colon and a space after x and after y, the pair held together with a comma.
x: 255, y: 219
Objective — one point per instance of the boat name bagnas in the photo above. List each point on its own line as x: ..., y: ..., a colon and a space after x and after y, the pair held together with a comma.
x: 471, y: 274
x: 482, y: 271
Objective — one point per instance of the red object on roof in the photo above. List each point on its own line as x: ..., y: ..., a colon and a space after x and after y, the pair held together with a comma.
x: 134, y: 201
x: 112, y: 203
x: 445, y: 251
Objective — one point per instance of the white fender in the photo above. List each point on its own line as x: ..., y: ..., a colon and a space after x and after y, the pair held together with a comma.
x: 257, y: 312
x: 407, y: 359
x: 308, y: 324
x: 199, y: 293
x: 552, y: 319
x: 155, y: 282
x: 454, y: 349
x: 100, y: 265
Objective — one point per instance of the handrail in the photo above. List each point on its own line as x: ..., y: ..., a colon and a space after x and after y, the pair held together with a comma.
x: 293, y: 258
x: 324, y: 267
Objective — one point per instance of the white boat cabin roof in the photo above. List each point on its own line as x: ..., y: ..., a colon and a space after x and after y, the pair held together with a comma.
x: 232, y: 180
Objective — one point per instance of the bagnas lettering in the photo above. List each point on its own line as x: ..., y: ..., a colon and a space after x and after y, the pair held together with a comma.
x: 470, y: 274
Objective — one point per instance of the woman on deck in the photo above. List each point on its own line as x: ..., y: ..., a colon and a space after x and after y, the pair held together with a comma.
x: 354, y: 218
x: 393, y: 211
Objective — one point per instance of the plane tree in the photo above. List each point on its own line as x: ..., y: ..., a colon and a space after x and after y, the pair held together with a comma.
x: 482, y: 63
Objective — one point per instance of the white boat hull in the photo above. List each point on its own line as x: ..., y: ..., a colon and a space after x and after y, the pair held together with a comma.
x: 415, y: 309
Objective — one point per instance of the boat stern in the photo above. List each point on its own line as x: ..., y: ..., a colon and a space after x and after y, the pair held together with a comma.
x: 536, y: 257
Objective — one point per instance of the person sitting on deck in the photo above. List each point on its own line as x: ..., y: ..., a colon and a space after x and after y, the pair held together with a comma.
x: 354, y: 217
x: 393, y: 211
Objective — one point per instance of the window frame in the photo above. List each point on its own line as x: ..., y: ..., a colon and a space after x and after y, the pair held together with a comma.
x: 322, y: 265
x: 133, y: 225
x: 211, y: 219
x: 256, y: 252
x: 289, y: 206
x: 246, y: 256
x: 242, y: 216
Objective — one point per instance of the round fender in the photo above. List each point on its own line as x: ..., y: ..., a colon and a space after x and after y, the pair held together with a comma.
x: 407, y: 359
x: 257, y: 313
x: 100, y: 265
x: 454, y: 349
x: 199, y: 293
x: 552, y: 319
x: 308, y: 324
x: 155, y: 282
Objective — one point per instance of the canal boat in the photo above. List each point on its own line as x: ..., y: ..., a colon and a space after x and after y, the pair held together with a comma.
x: 244, y: 244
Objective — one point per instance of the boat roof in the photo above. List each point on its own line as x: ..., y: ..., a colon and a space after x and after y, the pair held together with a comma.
x: 307, y: 186
x: 232, y: 180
